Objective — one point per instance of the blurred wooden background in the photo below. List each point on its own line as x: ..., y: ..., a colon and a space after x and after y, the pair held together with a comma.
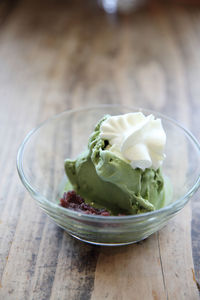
x: 62, y: 54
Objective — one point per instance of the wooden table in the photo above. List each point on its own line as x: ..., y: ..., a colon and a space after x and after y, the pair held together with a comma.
x: 59, y: 54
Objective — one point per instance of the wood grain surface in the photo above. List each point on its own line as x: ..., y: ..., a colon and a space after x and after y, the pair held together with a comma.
x: 61, y: 54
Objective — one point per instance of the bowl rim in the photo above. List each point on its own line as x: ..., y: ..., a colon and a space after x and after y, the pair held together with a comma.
x: 171, y: 208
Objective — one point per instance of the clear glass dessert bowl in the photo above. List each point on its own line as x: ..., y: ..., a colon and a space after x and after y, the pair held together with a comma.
x: 40, y: 164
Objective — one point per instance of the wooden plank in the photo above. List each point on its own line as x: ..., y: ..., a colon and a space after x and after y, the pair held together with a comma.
x: 6, y: 8
x: 185, y: 37
x: 132, y: 272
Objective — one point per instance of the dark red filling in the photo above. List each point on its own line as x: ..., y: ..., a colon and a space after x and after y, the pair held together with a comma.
x: 73, y: 201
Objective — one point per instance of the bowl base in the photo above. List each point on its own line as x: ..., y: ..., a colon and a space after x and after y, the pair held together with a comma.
x: 104, y: 244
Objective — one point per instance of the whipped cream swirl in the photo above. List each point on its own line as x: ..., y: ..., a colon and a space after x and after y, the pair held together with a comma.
x: 138, y: 139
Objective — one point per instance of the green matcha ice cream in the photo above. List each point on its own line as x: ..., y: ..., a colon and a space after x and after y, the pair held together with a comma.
x: 120, y: 169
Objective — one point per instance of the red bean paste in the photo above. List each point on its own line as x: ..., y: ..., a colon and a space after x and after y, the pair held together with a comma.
x: 73, y: 201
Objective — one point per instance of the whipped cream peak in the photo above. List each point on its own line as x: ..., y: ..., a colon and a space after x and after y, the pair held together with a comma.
x: 137, y: 138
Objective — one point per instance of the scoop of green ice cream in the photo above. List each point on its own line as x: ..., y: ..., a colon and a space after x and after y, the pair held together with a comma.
x: 106, y: 180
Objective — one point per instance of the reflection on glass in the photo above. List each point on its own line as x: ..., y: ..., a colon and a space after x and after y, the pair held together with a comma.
x: 112, y: 6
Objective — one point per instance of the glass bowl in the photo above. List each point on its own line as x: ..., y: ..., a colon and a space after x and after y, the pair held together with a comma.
x: 40, y: 164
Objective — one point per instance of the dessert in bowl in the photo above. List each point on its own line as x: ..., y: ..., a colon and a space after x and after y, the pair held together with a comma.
x: 58, y: 142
